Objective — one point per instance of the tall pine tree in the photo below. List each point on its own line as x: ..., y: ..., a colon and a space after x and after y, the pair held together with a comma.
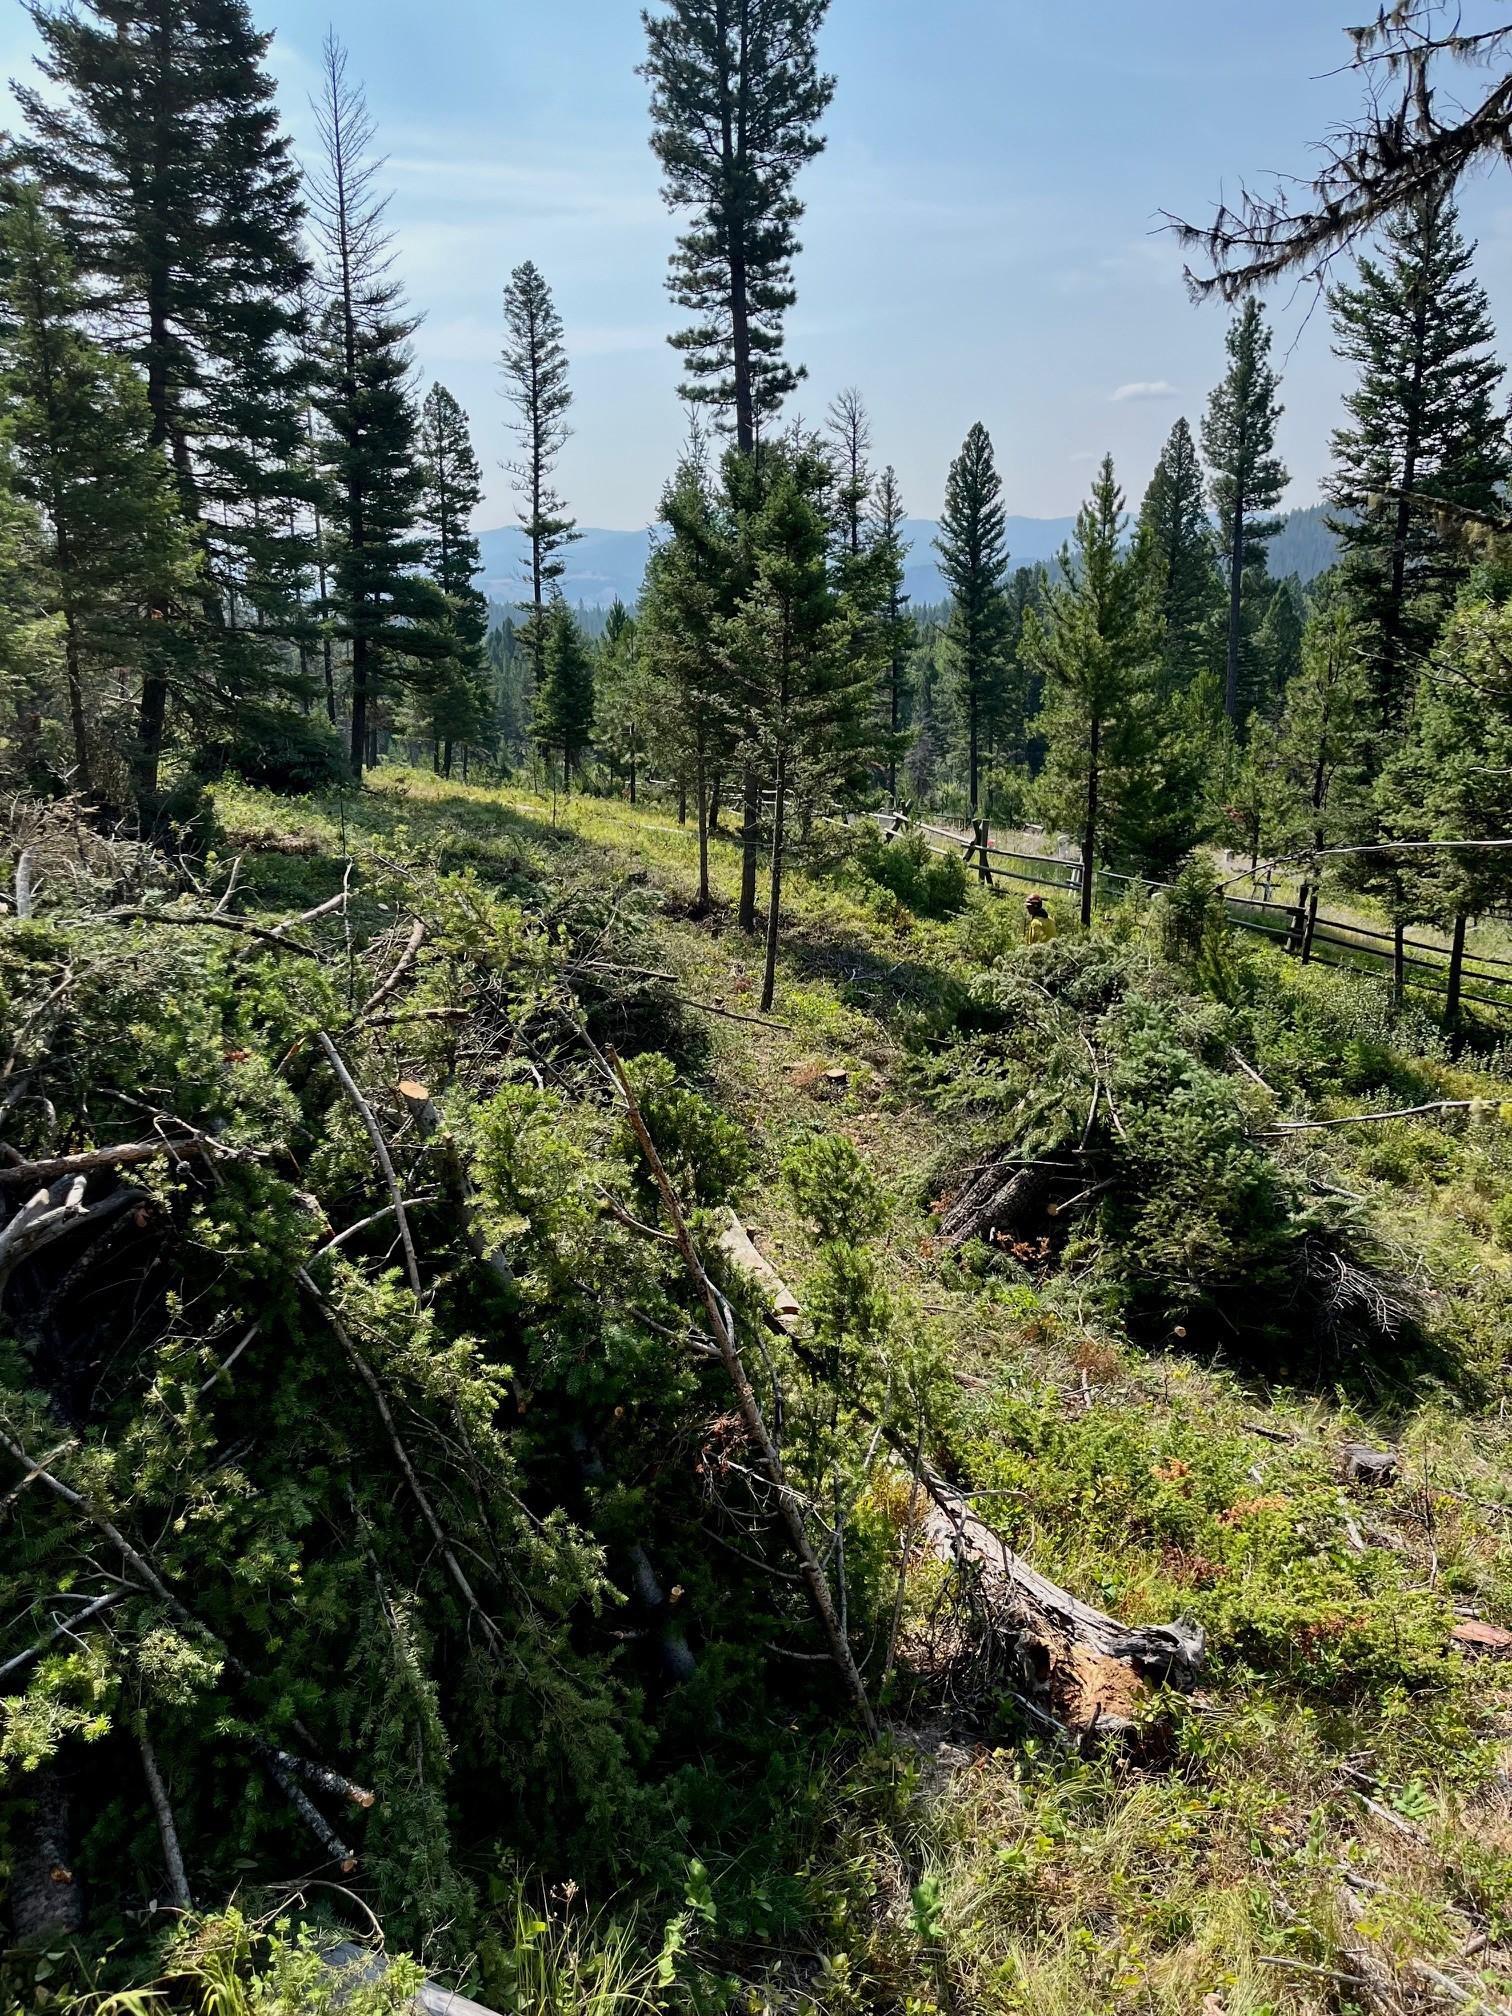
x: 1178, y: 578
x: 382, y: 607
x: 974, y: 560
x: 159, y: 139
x: 1247, y: 479
x: 80, y: 434
x: 736, y: 98
x: 450, y: 490
x: 535, y: 381
x: 1425, y: 431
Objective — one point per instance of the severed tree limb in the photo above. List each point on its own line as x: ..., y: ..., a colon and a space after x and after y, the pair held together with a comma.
x: 323, y: 1776
x: 380, y: 1149
x: 69, y: 1625
x: 38, y: 1469
x: 173, y: 1855
x: 369, y: 1379
x: 344, y: 1857
x: 46, y: 1170
x: 403, y: 964
x: 52, y: 1214
x: 722, y: 1333
x: 215, y: 922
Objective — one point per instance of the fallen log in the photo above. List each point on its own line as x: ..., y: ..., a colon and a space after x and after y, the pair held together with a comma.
x: 1074, y: 1665
x: 1003, y: 1198
x: 1076, y: 1668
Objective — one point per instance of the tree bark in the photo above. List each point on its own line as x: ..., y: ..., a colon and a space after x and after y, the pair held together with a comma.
x: 1236, y: 602
x: 46, y: 1902
x: 1456, y: 972
x: 774, y: 900
x: 1089, y: 835
x: 750, y: 841
x: 703, y: 832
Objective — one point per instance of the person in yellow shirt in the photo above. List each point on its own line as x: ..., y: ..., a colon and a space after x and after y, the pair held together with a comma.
x: 1039, y: 925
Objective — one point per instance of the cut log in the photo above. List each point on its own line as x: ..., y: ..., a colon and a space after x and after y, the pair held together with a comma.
x: 1076, y: 1668
x: 1375, y: 1467
x: 740, y: 1249
x: 1074, y: 1665
x: 1004, y: 1198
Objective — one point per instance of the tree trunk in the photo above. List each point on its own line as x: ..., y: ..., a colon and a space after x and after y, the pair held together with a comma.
x: 774, y: 903
x: 1089, y: 835
x: 1310, y: 926
x: 46, y: 1902
x: 703, y: 834
x: 750, y: 841
x: 82, y: 777
x: 682, y: 800
x: 1299, y: 919
x: 1456, y: 973
x: 632, y: 763
x: 1398, y: 962
x: 972, y: 711
x: 1236, y: 586
x: 716, y: 792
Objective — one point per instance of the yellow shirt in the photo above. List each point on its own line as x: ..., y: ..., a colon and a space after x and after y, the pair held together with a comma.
x: 1040, y: 929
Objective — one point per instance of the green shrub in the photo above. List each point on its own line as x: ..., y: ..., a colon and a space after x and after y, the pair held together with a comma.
x: 280, y: 750
x: 929, y: 884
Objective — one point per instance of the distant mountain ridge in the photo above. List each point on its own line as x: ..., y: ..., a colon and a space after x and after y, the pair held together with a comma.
x: 604, y: 564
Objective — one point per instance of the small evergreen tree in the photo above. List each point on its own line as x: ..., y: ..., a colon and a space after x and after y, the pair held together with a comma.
x: 1091, y: 647
x: 1451, y: 779
x: 897, y: 626
x: 80, y: 432
x: 450, y: 491
x: 974, y: 560
x: 1178, y: 578
x: 685, y: 606
x: 736, y: 96
x: 562, y: 711
x: 1323, y: 752
x: 1426, y: 436
x: 792, y: 643
x: 621, y: 697
x: 1246, y: 480
x: 535, y: 379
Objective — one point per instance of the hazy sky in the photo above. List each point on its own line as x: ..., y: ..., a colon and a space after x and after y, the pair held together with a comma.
x: 982, y: 238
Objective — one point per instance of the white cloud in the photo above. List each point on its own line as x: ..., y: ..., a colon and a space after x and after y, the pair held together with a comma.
x: 1145, y: 388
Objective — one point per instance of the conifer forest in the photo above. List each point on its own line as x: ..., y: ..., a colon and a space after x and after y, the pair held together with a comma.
x: 766, y: 1296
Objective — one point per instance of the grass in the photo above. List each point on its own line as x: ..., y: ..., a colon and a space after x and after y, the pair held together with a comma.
x: 1336, y: 1799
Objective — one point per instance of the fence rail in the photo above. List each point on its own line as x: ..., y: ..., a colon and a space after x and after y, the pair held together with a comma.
x: 1315, y: 939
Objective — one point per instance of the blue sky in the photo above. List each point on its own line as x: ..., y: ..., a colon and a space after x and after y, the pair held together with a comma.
x: 982, y: 238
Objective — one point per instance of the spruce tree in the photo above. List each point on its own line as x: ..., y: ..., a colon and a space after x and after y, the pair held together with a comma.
x: 1091, y: 645
x: 974, y: 560
x: 80, y: 432
x: 1426, y: 431
x: 450, y: 491
x: 792, y: 645
x: 562, y: 715
x: 159, y: 140
x: 685, y: 605
x: 1246, y: 479
x: 535, y: 379
x: 388, y: 614
x: 1323, y: 750
x: 1178, y: 577
x: 621, y: 696
x: 1451, y: 779
x: 898, y: 628
x: 736, y: 97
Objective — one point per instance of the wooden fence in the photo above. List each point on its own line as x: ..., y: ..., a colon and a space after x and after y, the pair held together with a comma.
x: 1481, y: 977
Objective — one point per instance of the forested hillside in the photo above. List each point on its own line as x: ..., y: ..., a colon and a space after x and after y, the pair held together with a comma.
x: 790, y: 1296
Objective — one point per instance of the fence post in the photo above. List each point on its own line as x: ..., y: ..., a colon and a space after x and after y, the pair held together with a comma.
x: 984, y: 866
x: 1456, y: 973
